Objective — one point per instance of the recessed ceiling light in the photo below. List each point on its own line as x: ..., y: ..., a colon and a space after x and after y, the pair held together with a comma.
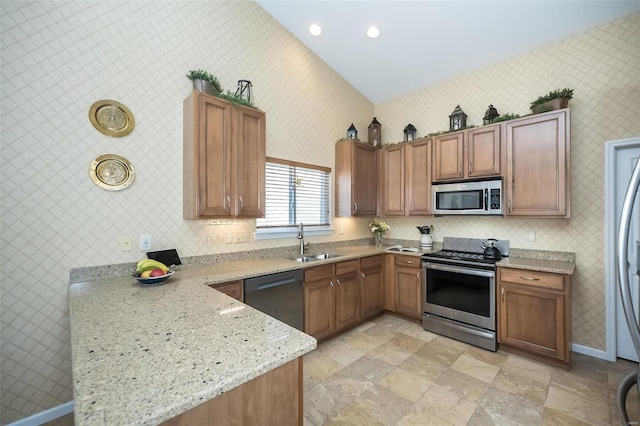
x: 373, y: 31
x: 315, y: 29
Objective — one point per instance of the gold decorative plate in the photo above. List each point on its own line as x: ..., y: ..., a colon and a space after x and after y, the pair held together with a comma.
x: 111, y: 118
x: 112, y: 172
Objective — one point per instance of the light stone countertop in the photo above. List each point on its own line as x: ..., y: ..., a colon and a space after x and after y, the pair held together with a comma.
x: 542, y: 265
x: 143, y: 355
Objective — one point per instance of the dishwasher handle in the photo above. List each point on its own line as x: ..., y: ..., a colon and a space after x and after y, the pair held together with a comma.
x: 269, y: 281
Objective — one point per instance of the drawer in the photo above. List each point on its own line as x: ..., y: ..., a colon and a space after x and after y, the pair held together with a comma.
x: 408, y: 261
x: 533, y: 278
x: 317, y: 272
x: 348, y: 266
x: 231, y: 289
x: 371, y: 261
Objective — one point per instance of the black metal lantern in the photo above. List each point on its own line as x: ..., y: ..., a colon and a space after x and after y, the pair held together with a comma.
x: 375, y: 132
x: 409, y: 133
x: 490, y: 115
x: 457, y: 119
x: 244, y: 90
x: 352, y: 132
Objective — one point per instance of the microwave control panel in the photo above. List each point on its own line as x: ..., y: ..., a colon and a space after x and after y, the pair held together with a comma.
x: 495, y: 199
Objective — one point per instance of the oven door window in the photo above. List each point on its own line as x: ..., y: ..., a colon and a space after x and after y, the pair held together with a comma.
x: 460, y: 200
x: 459, y: 291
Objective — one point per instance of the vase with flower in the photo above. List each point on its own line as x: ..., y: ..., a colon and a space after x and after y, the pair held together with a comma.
x: 378, y: 227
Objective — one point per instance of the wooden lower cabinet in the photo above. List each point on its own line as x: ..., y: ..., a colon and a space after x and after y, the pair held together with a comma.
x: 332, y: 298
x: 274, y: 398
x: 233, y: 289
x: 407, y: 285
x: 371, y: 286
x: 534, y: 312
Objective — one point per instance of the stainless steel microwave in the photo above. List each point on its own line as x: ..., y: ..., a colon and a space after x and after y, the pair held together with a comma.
x: 483, y: 197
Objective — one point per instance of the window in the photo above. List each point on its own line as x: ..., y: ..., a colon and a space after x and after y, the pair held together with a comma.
x: 295, y: 193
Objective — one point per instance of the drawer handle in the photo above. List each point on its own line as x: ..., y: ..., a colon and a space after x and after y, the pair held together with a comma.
x: 529, y: 279
x: 502, y: 294
x: 408, y: 261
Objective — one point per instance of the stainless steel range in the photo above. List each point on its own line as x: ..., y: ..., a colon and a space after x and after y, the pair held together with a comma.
x: 458, y: 290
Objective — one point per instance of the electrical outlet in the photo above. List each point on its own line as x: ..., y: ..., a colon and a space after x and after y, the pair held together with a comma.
x: 126, y: 243
x: 228, y: 238
x: 145, y: 242
x: 532, y: 236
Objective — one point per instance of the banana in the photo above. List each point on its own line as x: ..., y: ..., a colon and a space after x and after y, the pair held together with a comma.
x: 147, y: 264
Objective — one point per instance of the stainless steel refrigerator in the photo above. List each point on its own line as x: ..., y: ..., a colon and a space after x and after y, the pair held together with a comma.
x: 622, y: 253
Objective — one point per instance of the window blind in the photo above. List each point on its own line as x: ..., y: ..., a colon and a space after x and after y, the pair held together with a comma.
x: 296, y: 193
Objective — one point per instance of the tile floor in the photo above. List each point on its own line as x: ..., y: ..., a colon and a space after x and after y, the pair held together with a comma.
x: 389, y: 371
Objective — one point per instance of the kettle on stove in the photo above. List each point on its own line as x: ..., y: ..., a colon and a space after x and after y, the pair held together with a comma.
x: 491, y: 249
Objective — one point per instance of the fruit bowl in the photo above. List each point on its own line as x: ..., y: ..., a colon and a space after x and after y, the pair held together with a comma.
x: 155, y: 280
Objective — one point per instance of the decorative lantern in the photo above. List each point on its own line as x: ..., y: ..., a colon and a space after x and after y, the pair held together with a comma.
x: 490, y: 115
x: 375, y: 132
x: 244, y: 90
x: 457, y: 119
x: 409, y: 133
x: 352, y: 132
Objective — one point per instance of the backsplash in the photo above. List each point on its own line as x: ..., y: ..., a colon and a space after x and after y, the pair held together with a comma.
x: 60, y: 57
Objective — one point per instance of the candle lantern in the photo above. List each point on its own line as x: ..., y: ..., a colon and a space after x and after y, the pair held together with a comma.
x: 490, y: 115
x: 457, y: 119
x: 352, y: 132
x: 244, y: 90
x: 409, y: 133
x: 375, y: 132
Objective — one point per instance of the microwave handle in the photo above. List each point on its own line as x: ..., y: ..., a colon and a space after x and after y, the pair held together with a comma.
x: 486, y: 199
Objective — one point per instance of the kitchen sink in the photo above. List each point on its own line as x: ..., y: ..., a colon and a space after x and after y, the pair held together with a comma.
x: 304, y: 259
x: 326, y: 255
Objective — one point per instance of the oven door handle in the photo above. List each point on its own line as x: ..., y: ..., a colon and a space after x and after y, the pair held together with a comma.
x: 459, y: 270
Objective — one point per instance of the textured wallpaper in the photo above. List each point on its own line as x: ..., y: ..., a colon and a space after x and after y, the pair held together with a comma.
x: 60, y: 57
x: 602, y: 65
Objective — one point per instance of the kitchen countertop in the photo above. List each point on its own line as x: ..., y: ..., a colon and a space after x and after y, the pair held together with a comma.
x: 142, y: 355
x: 542, y: 265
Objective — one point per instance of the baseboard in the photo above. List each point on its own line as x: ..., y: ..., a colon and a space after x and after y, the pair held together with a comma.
x: 585, y: 350
x: 45, y: 416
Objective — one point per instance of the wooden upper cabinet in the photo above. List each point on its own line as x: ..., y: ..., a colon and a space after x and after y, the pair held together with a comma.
x: 418, y: 178
x: 356, y: 178
x: 224, y: 159
x: 538, y: 165
x: 448, y: 156
x: 406, y: 179
x: 482, y: 151
x: 394, y: 180
x: 469, y: 154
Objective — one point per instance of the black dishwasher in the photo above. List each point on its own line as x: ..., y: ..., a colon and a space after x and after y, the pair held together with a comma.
x: 280, y: 296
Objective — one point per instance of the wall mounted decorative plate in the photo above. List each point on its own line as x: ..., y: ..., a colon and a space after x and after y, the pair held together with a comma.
x: 111, y: 118
x: 112, y: 172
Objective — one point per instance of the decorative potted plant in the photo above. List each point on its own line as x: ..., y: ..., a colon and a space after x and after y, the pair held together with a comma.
x: 205, y: 82
x: 556, y: 99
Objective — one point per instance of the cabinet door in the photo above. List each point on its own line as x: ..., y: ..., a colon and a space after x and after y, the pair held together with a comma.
x: 347, y: 300
x: 418, y: 177
x: 250, y: 160
x: 319, y: 308
x: 232, y: 289
x: 371, y: 288
x: 483, y: 151
x: 407, y: 289
x: 532, y: 319
x: 365, y: 180
x: 448, y: 156
x: 393, y: 163
x: 207, y: 157
x: 537, y: 164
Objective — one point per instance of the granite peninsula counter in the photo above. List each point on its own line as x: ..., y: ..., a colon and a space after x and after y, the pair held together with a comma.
x: 143, y: 355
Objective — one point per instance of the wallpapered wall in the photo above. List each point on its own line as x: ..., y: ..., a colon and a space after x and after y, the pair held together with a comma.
x: 602, y: 65
x: 60, y: 57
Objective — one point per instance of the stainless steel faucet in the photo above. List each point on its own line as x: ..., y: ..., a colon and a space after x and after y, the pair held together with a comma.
x: 301, y: 238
